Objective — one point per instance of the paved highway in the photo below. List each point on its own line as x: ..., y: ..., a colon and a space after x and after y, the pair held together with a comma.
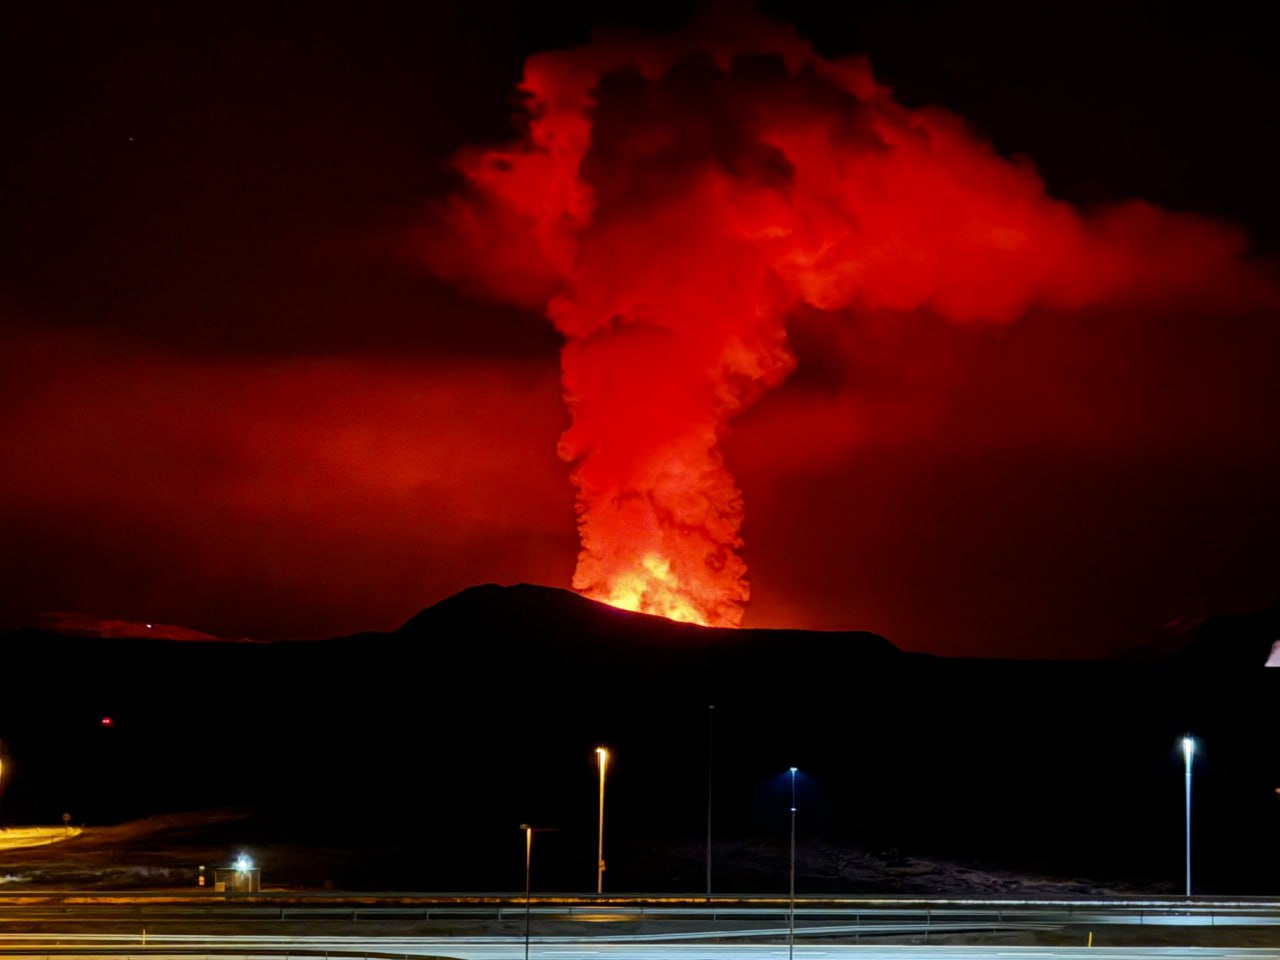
x: 165, y: 925
x: 285, y: 904
x: 364, y: 912
x: 213, y: 946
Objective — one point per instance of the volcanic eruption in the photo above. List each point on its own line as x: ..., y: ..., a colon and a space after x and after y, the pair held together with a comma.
x: 671, y: 203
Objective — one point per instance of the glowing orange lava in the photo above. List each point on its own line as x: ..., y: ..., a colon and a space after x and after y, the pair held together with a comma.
x: 652, y: 589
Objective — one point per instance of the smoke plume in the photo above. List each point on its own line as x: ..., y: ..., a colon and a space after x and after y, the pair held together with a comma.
x: 670, y: 204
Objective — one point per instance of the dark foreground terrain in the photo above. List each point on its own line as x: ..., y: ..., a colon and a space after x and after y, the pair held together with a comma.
x: 408, y: 760
x: 165, y: 852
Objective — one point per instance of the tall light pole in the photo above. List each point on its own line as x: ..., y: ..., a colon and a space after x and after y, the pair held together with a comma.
x: 602, y: 757
x: 791, y: 920
x: 528, y: 859
x: 1188, y: 754
x: 711, y: 713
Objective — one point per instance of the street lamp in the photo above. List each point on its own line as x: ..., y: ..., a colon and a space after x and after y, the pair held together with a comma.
x: 791, y: 920
x: 602, y: 757
x: 1188, y: 753
x: 528, y: 858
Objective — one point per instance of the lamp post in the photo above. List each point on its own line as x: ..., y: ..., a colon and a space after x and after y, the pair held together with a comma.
x: 528, y: 859
x: 602, y: 757
x: 1188, y: 754
x: 791, y: 913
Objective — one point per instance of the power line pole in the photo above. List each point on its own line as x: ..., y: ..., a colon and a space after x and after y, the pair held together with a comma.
x: 711, y: 713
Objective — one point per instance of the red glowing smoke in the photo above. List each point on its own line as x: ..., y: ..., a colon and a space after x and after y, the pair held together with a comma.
x: 672, y: 203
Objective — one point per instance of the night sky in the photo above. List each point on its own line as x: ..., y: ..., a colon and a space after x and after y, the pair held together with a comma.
x: 236, y: 395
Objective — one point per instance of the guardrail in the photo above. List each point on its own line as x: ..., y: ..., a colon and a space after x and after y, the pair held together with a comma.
x: 865, y: 911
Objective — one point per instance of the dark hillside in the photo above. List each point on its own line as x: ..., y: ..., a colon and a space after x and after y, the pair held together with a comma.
x: 435, y: 741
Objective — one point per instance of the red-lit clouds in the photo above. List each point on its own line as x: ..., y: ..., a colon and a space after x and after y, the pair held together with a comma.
x: 675, y: 206
x: 1059, y: 485
x: 272, y: 496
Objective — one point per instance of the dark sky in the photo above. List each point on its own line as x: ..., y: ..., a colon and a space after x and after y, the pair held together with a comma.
x: 232, y: 397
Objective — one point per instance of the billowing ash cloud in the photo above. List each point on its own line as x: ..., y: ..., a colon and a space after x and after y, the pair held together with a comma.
x: 670, y: 203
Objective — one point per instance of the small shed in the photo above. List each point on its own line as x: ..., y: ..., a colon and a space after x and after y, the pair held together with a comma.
x: 237, y: 880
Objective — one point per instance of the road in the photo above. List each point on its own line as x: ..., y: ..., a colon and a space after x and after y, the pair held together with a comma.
x: 865, y: 915
x: 164, y: 925
x: 509, y: 949
x: 20, y: 838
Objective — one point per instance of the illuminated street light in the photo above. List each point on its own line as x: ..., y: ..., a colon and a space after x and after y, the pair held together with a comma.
x: 791, y: 920
x: 602, y: 757
x: 528, y: 859
x: 243, y: 863
x: 1188, y: 753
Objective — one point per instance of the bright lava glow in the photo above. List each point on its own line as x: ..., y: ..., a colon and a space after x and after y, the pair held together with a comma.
x: 653, y: 588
